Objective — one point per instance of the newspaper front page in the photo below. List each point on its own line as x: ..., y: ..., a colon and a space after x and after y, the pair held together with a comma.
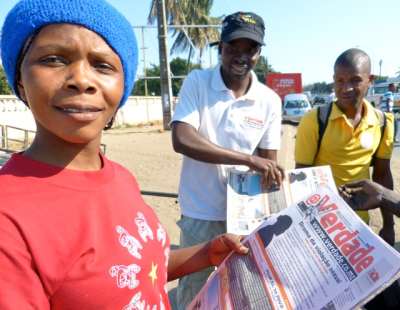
x: 248, y: 204
x: 315, y: 254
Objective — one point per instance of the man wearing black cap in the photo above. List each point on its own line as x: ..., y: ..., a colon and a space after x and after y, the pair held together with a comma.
x: 225, y: 117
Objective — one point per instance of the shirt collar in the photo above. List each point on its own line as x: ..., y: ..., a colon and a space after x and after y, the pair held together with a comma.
x: 369, y: 115
x: 252, y: 93
x: 336, y: 112
x: 217, y: 83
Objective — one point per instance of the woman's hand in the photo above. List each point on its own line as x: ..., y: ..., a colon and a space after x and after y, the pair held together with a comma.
x: 221, y: 246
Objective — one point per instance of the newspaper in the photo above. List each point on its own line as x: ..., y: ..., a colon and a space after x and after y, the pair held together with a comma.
x: 248, y: 204
x: 315, y: 254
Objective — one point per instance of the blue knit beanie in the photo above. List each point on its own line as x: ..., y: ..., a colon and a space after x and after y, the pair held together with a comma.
x: 29, y: 16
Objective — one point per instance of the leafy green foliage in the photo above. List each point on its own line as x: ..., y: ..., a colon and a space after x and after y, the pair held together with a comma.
x: 262, y: 68
x: 153, y: 85
x: 380, y: 79
x: 319, y: 88
x: 188, y: 12
x: 178, y: 68
x: 4, y: 87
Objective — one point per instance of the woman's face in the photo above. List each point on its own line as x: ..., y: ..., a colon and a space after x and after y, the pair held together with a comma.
x: 72, y: 81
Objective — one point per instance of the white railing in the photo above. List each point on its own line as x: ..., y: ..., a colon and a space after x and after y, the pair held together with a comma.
x: 14, y: 138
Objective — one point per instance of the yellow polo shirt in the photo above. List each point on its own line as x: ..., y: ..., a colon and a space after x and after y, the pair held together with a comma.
x: 347, y: 150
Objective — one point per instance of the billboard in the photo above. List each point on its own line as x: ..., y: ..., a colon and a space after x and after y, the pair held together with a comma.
x: 284, y: 83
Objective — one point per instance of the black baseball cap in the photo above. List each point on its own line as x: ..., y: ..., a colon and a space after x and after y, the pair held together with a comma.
x: 242, y: 25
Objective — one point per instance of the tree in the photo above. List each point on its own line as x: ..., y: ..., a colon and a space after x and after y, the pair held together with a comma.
x: 153, y: 85
x: 178, y: 68
x: 319, y: 88
x: 380, y: 79
x: 4, y: 88
x: 187, y: 12
x: 262, y: 68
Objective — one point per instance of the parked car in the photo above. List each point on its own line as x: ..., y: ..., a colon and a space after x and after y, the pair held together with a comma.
x: 296, y: 105
x: 319, y: 100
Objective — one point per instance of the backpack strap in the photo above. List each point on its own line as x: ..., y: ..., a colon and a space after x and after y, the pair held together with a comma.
x: 382, y: 125
x: 323, y: 113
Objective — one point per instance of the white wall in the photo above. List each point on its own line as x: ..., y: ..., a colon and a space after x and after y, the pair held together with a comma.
x: 137, y: 110
x: 14, y: 112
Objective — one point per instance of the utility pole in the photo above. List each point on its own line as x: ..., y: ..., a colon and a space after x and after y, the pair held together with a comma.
x: 146, y: 92
x: 380, y: 68
x: 165, y: 76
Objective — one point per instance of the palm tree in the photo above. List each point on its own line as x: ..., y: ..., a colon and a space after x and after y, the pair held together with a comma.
x: 188, y: 12
x: 262, y: 68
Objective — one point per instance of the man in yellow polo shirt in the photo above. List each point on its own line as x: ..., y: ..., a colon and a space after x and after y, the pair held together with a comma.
x: 352, y: 136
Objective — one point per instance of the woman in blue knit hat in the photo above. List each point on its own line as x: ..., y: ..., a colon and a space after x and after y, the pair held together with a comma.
x: 74, y: 230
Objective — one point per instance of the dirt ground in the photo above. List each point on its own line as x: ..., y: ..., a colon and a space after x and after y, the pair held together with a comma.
x: 147, y: 152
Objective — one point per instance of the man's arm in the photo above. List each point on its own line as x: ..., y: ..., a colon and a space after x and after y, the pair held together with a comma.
x: 195, y: 258
x: 187, y: 141
x: 383, y: 176
x: 270, y: 155
x: 366, y: 195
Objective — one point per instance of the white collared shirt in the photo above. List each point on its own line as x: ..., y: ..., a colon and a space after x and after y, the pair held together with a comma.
x: 241, y: 124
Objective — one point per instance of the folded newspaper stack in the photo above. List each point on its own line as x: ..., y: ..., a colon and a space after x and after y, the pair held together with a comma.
x: 248, y: 204
x: 315, y: 254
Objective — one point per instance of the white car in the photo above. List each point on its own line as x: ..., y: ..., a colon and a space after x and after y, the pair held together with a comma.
x: 296, y: 105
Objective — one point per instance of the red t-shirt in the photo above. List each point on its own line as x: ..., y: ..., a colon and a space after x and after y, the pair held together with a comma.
x: 78, y: 240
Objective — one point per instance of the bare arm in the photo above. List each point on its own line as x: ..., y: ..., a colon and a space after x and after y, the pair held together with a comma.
x: 383, y: 176
x: 268, y: 154
x: 195, y: 258
x: 187, y: 141
x: 391, y: 202
x: 278, y: 177
x: 367, y: 195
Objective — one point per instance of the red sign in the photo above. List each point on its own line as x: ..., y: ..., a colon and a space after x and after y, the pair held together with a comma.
x: 284, y: 83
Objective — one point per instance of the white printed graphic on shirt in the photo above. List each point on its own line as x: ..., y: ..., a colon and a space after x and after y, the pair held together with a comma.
x: 125, y: 275
x: 136, y: 303
x: 128, y: 276
x: 162, y: 306
x: 143, y: 228
x: 129, y: 242
x: 367, y: 140
x: 161, y: 235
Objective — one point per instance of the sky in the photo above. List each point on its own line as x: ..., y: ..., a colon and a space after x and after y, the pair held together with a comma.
x: 303, y: 36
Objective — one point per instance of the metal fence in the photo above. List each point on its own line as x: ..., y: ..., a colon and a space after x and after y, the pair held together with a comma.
x: 20, y: 140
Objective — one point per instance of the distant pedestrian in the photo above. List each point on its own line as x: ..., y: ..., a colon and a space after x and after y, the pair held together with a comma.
x: 387, y: 104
